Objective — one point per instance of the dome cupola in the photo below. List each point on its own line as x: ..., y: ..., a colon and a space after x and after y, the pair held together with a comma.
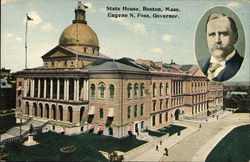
x: 79, y: 36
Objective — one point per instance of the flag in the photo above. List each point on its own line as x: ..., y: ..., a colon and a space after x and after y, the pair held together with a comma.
x: 29, y: 18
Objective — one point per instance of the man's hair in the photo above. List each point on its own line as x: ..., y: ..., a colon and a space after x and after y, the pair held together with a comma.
x: 216, y: 16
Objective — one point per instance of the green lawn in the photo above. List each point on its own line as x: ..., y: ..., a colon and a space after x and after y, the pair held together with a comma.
x: 87, y: 146
x: 233, y: 147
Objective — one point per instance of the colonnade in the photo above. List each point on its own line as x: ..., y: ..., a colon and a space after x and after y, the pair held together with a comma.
x: 57, y: 88
x: 177, y: 87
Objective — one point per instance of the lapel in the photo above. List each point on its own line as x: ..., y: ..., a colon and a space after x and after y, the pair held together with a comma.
x: 206, y: 66
x: 232, y: 67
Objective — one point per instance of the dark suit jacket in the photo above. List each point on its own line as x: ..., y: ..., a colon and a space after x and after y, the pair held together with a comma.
x: 232, y: 67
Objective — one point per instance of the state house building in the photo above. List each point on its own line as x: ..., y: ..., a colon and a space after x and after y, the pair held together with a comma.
x: 78, y: 89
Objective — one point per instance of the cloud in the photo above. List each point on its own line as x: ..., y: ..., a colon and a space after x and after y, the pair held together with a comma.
x: 47, y: 27
x: 19, y: 39
x: 167, y: 38
x: 36, y: 18
x: 135, y: 27
x: 90, y: 7
x: 233, y: 4
x: 8, y: 1
x: 156, y: 50
x: 103, y: 10
x: 8, y: 35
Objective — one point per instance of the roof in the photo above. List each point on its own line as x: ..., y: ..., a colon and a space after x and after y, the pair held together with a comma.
x: 112, y: 65
x: 71, y: 53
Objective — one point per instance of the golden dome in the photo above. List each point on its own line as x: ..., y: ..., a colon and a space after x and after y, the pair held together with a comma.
x: 86, y: 36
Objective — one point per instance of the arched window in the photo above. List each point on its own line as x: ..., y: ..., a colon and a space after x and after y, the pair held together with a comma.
x: 142, y: 88
x: 154, y: 89
x: 60, y: 112
x: 161, y: 89
x: 111, y: 91
x: 102, y: 89
x: 136, y: 90
x: 167, y: 89
x: 70, y: 114
x: 129, y: 89
x: 92, y: 88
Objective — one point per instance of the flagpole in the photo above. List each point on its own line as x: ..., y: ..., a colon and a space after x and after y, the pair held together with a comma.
x: 26, y: 28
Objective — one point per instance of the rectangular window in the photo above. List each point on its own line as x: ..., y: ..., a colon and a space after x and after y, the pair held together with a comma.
x: 166, y: 103
x: 166, y: 117
x: 160, y: 118
x: 153, y: 120
x: 101, y: 113
x: 129, y: 112
x: 154, y: 105
x: 161, y: 105
x: 142, y: 109
x: 135, y: 111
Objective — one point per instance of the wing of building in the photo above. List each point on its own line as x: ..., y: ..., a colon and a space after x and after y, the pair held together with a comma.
x: 79, y: 89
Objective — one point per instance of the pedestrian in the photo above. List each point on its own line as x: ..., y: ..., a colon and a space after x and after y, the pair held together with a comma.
x: 160, y: 142
x: 166, y: 151
x: 200, y: 125
x: 31, y: 128
x: 206, y: 120
x: 156, y: 148
x: 217, y: 117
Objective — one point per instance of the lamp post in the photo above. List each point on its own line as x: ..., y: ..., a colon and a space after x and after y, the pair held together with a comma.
x: 21, y: 121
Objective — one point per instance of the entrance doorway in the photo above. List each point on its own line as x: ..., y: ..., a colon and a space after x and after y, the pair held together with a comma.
x: 177, y: 114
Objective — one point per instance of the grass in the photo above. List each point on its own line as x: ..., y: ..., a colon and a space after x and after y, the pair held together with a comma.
x: 235, y: 146
x: 87, y: 146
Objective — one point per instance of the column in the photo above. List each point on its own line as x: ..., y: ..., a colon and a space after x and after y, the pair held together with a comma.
x: 178, y: 86
x: 77, y: 90
x: 51, y: 88
x: 39, y: 86
x: 74, y: 90
x: 25, y: 88
x: 65, y: 89
x: 32, y: 88
x: 84, y: 89
x: 45, y: 88
x: 58, y: 89
x: 87, y: 89
x: 172, y: 87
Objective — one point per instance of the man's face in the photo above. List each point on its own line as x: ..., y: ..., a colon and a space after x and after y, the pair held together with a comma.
x: 220, y: 38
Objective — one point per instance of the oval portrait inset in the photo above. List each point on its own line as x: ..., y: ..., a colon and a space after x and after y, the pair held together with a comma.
x: 220, y: 44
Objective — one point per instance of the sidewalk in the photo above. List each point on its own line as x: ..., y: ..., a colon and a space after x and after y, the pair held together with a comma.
x: 197, y: 146
x: 149, y: 152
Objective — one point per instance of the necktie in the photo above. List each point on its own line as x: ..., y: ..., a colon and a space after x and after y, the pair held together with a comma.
x: 212, y: 69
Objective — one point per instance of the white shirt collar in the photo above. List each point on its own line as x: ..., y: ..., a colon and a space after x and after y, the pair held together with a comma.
x: 223, y: 62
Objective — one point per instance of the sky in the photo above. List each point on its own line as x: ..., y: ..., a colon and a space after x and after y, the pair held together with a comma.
x: 156, y: 39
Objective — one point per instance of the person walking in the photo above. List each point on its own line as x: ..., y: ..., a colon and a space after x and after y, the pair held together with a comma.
x: 31, y: 128
x: 166, y: 151
x: 157, y: 148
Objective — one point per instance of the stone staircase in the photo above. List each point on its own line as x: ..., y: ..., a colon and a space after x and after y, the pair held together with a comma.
x: 14, y: 133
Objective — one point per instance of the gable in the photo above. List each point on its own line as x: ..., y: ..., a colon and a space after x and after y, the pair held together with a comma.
x: 58, y: 54
x: 199, y: 73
